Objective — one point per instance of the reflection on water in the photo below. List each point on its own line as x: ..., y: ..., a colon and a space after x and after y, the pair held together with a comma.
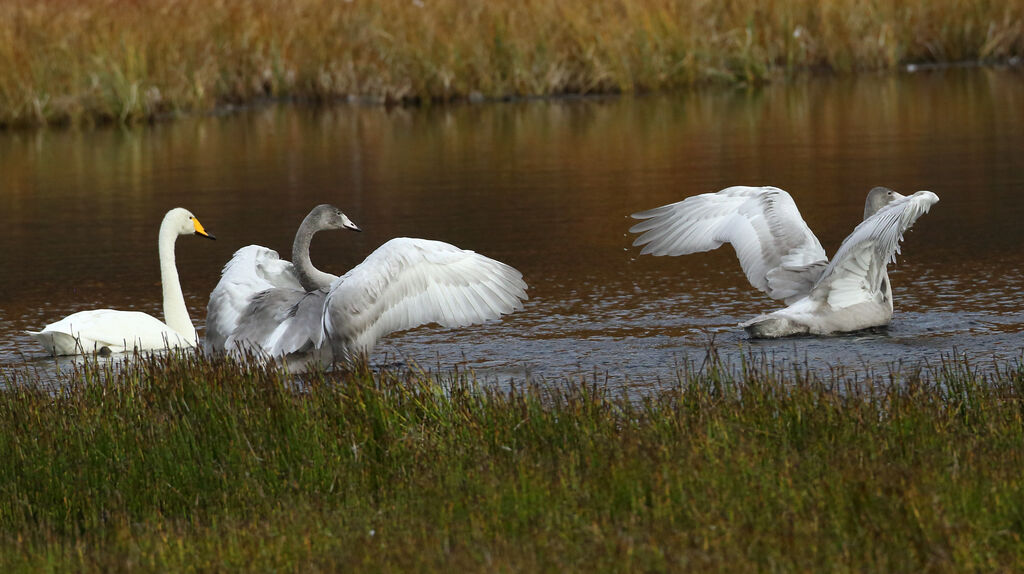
x: 547, y: 187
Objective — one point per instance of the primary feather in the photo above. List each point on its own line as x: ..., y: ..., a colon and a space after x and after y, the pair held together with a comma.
x: 777, y: 251
x: 410, y: 282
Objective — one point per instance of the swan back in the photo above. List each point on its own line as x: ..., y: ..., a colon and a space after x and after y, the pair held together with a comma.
x: 109, y: 330
x: 251, y: 270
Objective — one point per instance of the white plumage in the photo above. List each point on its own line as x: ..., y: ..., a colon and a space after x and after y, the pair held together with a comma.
x: 782, y: 257
x: 777, y: 251
x: 108, y: 330
x: 410, y: 282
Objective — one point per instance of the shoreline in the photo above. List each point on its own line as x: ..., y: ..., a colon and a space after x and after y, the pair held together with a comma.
x: 95, y: 62
x: 1015, y: 64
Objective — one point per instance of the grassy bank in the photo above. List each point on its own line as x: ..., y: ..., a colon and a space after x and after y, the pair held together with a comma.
x: 105, y: 60
x: 176, y: 463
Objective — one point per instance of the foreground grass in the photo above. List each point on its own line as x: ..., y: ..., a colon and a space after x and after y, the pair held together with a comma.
x: 179, y: 463
x: 103, y: 60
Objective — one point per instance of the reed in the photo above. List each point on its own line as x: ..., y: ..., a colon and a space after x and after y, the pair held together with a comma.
x: 104, y: 60
x: 177, y: 463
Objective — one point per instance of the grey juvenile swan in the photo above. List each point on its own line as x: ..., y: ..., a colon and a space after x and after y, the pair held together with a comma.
x: 254, y: 304
x: 782, y: 257
x: 402, y: 284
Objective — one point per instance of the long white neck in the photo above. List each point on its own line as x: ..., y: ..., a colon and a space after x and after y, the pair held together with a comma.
x: 175, y: 312
x: 310, y: 277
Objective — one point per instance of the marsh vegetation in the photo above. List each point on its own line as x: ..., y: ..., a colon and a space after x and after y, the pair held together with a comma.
x: 177, y: 462
x: 101, y: 61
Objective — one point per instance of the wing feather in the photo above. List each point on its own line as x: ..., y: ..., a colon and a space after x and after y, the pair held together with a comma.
x: 252, y: 269
x: 281, y: 323
x: 777, y: 250
x: 410, y: 282
x: 856, y: 272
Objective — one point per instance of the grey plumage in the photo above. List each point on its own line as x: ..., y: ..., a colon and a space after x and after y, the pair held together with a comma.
x: 250, y: 309
x: 321, y: 217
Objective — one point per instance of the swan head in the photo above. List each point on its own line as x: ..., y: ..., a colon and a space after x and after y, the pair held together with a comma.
x: 182, y: 222
x: 878, y: 198
x: 326, y: 216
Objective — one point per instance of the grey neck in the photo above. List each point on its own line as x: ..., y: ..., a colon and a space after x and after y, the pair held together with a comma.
x: 310, y: 277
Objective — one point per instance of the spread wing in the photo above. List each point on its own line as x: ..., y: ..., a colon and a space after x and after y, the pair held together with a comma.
x: 251, y: 270
x: 777, y: 251
x: 410, y: 282
x: 856, y: 272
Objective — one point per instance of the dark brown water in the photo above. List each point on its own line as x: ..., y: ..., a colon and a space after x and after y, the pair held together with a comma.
x: 547, y: 186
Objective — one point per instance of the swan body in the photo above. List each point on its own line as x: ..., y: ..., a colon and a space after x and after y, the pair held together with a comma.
x: 109, y: 330
x: 402, y: 284
x: 257, y: 288
x: 782, y: 257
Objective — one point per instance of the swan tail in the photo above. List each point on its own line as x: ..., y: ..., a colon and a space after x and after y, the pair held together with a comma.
x: 57, y: 343
x: 773, y: 327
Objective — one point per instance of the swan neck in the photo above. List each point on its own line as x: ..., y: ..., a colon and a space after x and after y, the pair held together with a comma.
x: 310, y: 277
x: 175, y: 311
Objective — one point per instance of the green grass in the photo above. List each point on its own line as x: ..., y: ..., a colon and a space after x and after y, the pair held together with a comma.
x: 180, y: 463
x: 100, y: 61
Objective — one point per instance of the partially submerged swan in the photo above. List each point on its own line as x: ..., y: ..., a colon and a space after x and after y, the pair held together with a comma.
x: 257, y: 290
x: 403, y: 284
x: 782, y: 257
x: 108, y: 330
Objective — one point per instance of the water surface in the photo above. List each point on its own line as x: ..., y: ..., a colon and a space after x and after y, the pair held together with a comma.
x: 547, y: 186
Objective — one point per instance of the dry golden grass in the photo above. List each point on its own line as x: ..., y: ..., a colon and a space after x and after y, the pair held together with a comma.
x: 102, y: 60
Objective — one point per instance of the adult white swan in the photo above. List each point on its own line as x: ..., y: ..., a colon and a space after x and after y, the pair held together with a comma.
x: 782, y: 257
x: 403, y: 284
x: 108, y: 330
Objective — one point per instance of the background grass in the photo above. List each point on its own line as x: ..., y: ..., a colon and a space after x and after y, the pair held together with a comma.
x: 107, y: 60
x: 179, y: 463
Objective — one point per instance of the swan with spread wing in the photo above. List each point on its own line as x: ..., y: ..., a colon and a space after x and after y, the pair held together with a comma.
x: 781, y: 256
x: 306, y: 316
